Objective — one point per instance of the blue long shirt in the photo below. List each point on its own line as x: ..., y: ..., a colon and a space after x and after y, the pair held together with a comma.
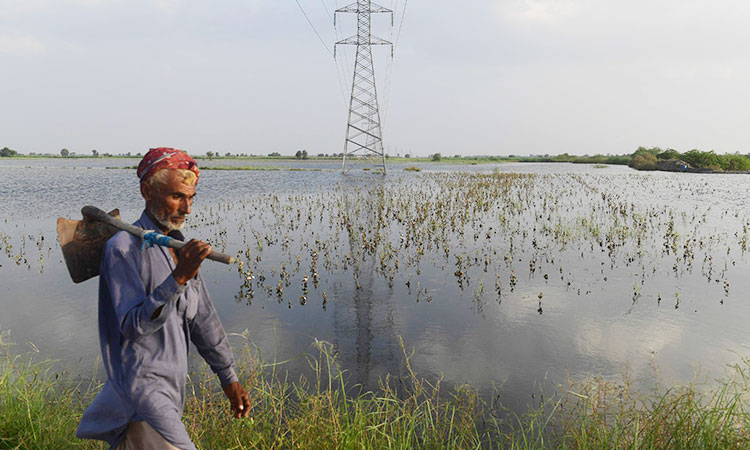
x: 145, y: 354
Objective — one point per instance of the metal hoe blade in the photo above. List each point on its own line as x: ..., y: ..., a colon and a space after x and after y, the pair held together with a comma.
x: 82, y: 242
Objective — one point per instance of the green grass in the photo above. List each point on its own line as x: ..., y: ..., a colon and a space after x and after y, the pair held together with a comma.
x: 703, y: 415
x: 41, y: 410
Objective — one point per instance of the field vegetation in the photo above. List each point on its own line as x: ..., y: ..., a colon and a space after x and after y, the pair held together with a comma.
x: 41, y: 409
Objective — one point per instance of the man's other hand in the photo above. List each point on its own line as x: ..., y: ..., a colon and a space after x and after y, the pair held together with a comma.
x: 238, y: 399
x: 189, y: 259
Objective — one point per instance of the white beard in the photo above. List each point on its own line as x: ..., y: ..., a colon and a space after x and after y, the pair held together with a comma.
x: 164, y: 221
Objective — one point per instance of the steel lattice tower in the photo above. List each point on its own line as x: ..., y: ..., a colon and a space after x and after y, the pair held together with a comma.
x: 364, y: 135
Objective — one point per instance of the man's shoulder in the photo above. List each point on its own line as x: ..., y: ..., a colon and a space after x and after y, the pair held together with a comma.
x: 120, y: 248
x: 122, y: 241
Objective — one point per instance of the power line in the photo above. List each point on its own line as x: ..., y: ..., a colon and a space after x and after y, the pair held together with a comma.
x: 326, y: 8
x: 313, y: 27
x: 338, y: 74
x: 341, y: 72
x: 342, y: 75
x: 340, y: 36
x: 401, y: 25
x: 341, y: 66
x: 390, y: 67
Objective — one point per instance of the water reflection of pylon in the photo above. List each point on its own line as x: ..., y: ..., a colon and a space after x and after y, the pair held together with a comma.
x: 371, y: 320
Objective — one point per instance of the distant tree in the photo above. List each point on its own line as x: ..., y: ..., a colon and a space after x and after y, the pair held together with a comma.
x: 647, y: 151
x: 669, y: 153
x: 320, y: 155
x: 408, y: 155
x: 6, y: 152
x: 210, y: 154
x: 706, y: 160
x: 64, y: 153
x: 274, y: 154
x: 456, y: 156
x: 737, y: 162
x: 436, y: 157
x: 94, y: 152
x: 565, y: 157
x: 301, y: 154
x: 138, y: 154
x: 643, y: 161
x: 227, y: 154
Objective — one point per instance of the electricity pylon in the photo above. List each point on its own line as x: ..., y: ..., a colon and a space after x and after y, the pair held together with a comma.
x: 364, y: 135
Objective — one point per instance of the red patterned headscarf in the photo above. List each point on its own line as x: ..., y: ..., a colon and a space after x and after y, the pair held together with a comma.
x: 165, y: 158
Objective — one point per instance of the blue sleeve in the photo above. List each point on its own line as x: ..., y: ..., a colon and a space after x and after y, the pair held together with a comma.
x: 208, y: 336
x: 134, y: 309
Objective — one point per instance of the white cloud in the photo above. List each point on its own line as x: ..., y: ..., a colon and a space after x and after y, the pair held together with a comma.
x: 26, y: 44
x: 14, y: 8
x: 95, y: 2
x: 540, y: 11
x: 627, y: 341
x: 167, y: 5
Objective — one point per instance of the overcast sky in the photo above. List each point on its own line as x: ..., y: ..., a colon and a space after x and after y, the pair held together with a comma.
x: 469, y: 77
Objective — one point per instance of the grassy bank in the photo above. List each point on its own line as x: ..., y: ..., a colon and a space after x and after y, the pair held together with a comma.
x: 41, y: 409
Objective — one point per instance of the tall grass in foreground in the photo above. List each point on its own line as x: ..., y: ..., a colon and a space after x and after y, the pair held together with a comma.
x: 601, y: 414
x: 39, y: 409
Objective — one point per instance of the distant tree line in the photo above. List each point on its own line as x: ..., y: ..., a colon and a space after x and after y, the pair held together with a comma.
x: 649, y: 159
x: 585, y: 159
x: 643, y: 158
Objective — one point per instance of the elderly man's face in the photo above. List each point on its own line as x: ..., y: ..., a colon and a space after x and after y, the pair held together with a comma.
x: 170, y: 202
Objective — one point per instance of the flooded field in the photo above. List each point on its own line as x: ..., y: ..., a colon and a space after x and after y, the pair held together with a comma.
x: 508, y: 277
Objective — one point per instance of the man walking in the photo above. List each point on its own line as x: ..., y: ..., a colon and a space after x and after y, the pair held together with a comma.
x: 152, y: 303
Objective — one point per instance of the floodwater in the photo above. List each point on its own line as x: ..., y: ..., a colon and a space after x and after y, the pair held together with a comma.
x: 509, y: 277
